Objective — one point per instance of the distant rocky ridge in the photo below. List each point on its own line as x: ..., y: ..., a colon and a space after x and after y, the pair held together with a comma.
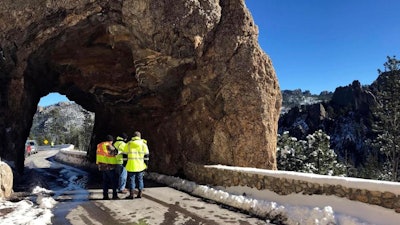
x: 70, y: 112
x: 297, y: 97
x: 62, y: 122
x: 347, y: 118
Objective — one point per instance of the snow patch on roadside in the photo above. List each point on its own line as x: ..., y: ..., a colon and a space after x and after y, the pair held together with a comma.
x: 33, y: 210
x: 291, y: 214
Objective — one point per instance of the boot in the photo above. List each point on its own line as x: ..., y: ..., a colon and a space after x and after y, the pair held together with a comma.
x: 123, y: 191
x: 139, y: 195
x: 115, y: 196
x: 130, y: 196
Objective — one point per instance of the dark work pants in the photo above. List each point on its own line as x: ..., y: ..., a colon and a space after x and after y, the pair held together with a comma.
x: 110, y: 180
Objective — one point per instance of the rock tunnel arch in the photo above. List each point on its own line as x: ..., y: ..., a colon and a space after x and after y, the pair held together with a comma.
x: 190, y: 76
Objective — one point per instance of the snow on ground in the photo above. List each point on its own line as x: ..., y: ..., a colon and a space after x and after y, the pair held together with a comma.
x: 302, y: 208
x: 296, y: 208
x: 350, y: 182
x: 34, y: 210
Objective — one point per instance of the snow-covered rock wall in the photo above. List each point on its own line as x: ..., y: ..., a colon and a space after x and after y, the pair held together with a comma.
x: 381, y: 193
x: 68, y: 155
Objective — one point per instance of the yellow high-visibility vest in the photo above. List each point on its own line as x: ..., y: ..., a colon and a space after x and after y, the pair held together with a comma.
x: 136, y: 149
x: 103, y: 155
x: 120, y: 146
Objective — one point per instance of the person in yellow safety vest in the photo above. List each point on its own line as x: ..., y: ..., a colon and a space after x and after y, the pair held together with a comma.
x: 106, y: 161
x: 122, y: 159
x: 136, y: 149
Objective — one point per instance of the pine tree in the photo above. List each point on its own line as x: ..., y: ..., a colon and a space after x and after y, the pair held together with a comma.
x: 56, y: 127
x: 87, y: 130
x: 371, y: 168
x: 387, y: 112
x: 290, y: 154
x: 321, y: 159
x: 392, y: 64
x: 311, y: 156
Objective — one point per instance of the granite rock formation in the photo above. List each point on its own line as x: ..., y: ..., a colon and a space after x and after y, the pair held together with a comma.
x: 189, y: 75
x: 6, y: 180
x: 347, y: 118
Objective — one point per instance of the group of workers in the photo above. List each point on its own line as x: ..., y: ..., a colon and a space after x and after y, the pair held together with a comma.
x: 122, y: 161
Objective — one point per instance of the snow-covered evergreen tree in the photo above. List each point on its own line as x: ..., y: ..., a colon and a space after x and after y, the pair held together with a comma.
x: 290, y: 154
x: 321, y: 159
x: 313, y: 155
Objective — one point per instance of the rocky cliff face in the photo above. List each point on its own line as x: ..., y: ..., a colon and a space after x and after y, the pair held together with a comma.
x: 347, y: 118
x: 297, y: 97
x: 189, y: 75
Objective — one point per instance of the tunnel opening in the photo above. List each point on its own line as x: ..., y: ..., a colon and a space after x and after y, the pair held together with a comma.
x: 59, y: 121
x: 95, y: 67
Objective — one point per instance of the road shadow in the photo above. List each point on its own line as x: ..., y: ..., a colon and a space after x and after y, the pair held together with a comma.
x: 95, y: 181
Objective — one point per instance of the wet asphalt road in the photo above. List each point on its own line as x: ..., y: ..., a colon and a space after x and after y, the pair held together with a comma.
x: 79, y: 198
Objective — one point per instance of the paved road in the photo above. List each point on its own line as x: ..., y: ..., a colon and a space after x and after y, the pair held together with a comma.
x: 79, y: 201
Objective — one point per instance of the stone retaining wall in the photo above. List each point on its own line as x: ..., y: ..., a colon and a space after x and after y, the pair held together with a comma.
x: 68, y: 155
x: 384, y: 194
x: 380, y: 193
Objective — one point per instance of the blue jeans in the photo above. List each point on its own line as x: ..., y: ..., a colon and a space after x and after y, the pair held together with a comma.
x: 109, y: 181
x: 122, y: 173
x: 132, y: 176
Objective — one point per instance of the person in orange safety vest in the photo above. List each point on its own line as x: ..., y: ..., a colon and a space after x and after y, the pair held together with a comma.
x: 106, y: 161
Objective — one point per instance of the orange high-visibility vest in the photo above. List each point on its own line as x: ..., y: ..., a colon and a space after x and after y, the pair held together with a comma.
x: 103, y: 155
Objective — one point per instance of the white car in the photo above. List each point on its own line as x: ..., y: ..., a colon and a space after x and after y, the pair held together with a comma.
x: 31, y: 147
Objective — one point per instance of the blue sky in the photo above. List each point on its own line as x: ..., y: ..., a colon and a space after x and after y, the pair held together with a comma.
x: 319, y: 45
x: 51, y: 99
